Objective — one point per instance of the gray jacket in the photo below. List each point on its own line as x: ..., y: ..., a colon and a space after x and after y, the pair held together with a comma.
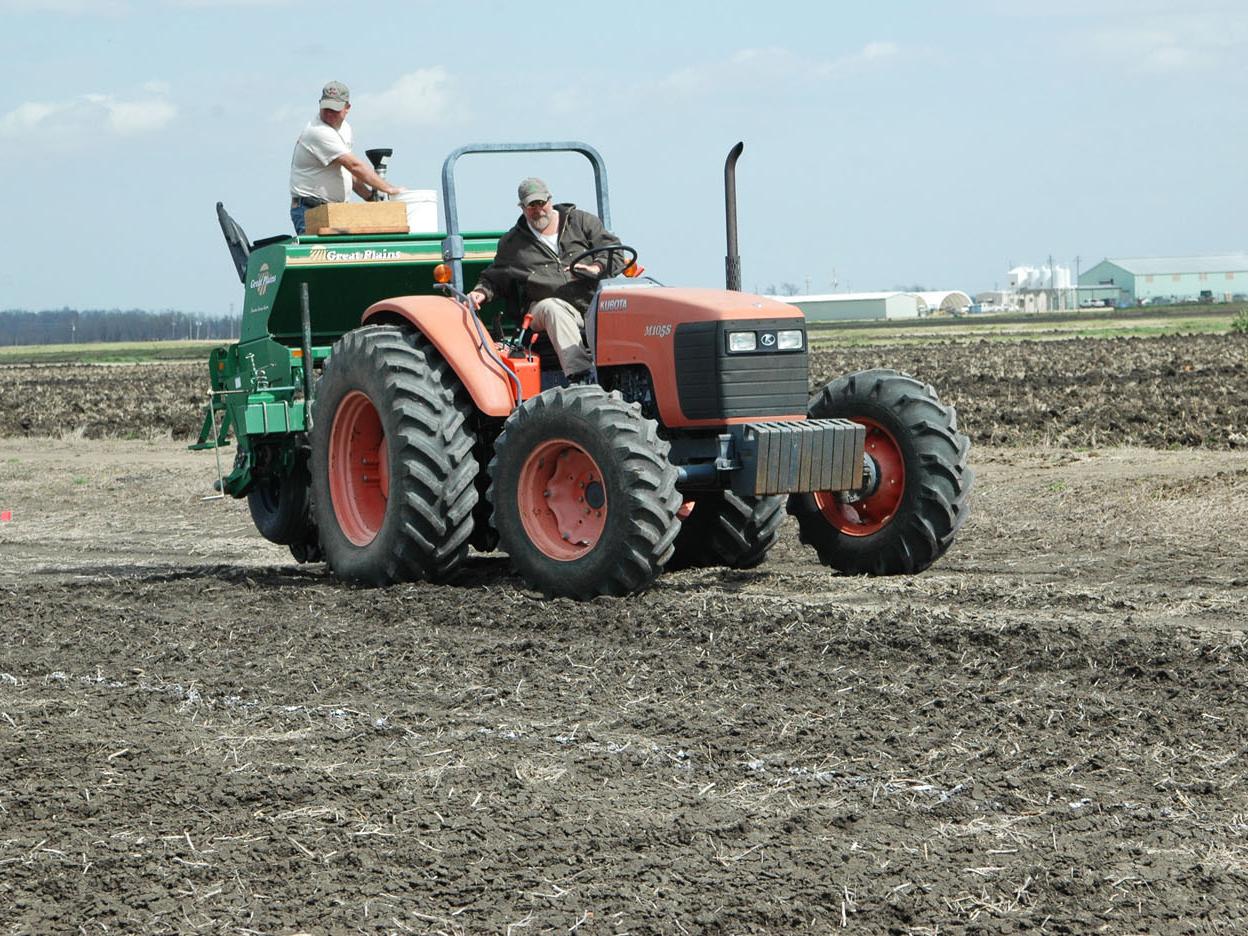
x: 525, y: 265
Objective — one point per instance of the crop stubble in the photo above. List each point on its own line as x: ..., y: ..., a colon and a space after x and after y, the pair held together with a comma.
x: 1046, y: 731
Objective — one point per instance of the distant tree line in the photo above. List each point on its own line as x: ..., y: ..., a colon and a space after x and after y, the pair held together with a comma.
x: 79, y: 326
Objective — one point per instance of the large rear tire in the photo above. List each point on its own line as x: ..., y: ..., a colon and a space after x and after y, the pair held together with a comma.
x: 584, y: 497
x: 725, y: 529
x: 392, y: 459
x: 920, y: 482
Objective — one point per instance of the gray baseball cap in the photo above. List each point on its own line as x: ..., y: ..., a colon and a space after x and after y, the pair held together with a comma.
x: 533, y: 189
x: 335, y: 96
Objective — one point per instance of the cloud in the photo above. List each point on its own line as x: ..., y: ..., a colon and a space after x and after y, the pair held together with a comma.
x: 746, y: 68
x: 1164, y: 37
x: 93, y: 7
x: 1120, y: 10
x: 419, y: 97
x: 122, y: 7
x: 204, y: 4
x: 131, y: 117
x: 88, y: 116
x: 870, y: 55
x: 1169, y: 43
x: 772, y: 65
x: 874, y: 51
x: 26, y: 117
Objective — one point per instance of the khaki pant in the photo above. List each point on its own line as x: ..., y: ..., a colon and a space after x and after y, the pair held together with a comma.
x: 563, y: 322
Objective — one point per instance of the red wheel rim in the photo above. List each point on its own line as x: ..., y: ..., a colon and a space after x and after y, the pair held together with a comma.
x: 359, y: 469
x: 873, y: 512
x: 562, y: 500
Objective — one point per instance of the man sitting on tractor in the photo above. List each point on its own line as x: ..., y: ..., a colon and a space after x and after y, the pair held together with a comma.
x: 534, y: 259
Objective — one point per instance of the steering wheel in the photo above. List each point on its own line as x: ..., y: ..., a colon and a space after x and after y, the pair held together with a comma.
x: 607, y: 263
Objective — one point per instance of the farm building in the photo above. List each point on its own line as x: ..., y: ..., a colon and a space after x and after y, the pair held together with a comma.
x: 840, y: 307
x: 950, y: 302
x: 1171, y: 279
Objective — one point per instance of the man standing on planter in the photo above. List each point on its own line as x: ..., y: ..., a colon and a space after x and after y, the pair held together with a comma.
x: 323, y: 165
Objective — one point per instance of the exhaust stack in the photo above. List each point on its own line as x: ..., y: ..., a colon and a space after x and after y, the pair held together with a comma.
x: 732, y: 262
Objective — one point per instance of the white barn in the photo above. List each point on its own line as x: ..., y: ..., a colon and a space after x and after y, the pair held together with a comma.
x: 868, y: 306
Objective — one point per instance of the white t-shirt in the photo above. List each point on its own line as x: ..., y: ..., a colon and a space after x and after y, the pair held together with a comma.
x: 311, y: 172
x: 550, y: 240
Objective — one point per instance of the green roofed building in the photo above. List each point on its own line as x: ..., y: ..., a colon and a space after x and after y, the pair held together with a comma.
x: 1148, y: 280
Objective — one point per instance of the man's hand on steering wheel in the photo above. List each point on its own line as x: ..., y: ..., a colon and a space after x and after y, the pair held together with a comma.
x: 599, y: 269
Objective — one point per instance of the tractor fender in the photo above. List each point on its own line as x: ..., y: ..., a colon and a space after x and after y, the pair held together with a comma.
x: 457, y: 334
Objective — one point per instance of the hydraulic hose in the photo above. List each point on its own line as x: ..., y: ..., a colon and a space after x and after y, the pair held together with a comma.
x: 305, y: 319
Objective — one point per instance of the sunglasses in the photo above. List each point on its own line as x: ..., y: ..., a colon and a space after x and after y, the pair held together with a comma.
x: 538, y: 204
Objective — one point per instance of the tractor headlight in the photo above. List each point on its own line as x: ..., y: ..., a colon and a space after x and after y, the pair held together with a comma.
x: 742, y: 341
x: 789, y: 340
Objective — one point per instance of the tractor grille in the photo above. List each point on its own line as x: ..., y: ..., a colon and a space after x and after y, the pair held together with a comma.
x: 794, y: 457
x: 713, y: 384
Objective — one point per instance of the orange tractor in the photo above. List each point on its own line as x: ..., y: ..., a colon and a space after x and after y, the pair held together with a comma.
x: 428, y: 435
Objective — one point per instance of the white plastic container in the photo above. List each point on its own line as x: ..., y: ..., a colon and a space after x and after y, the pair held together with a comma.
x: 422, y: 210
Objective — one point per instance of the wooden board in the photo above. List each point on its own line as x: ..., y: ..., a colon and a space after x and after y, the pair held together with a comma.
x: 360, y: 229
x: 383, y: 217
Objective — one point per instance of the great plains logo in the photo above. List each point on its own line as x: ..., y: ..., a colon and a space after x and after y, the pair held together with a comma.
x: 613, y: 305
x: 658, y: 331
x: 264, y: 279
x: 325, y: 255
x: 331, y: 255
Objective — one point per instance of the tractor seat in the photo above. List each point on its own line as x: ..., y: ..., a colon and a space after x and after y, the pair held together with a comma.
x: 240, y: 247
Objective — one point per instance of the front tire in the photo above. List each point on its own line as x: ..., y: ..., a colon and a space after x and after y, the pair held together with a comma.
x: 392, y: 459
x: 584, y: 497
x: 920, y: 482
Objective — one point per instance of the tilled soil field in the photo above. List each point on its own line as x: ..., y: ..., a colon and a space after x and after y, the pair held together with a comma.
x: 1150, y: 392
x: 1046, y: 732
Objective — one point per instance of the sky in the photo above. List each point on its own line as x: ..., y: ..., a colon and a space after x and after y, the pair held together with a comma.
x: 887, y: 145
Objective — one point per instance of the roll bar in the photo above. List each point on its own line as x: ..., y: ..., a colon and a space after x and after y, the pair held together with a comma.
x: 453, y: 245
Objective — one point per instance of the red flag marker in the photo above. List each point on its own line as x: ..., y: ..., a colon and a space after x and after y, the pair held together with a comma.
x: 6, y: 516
